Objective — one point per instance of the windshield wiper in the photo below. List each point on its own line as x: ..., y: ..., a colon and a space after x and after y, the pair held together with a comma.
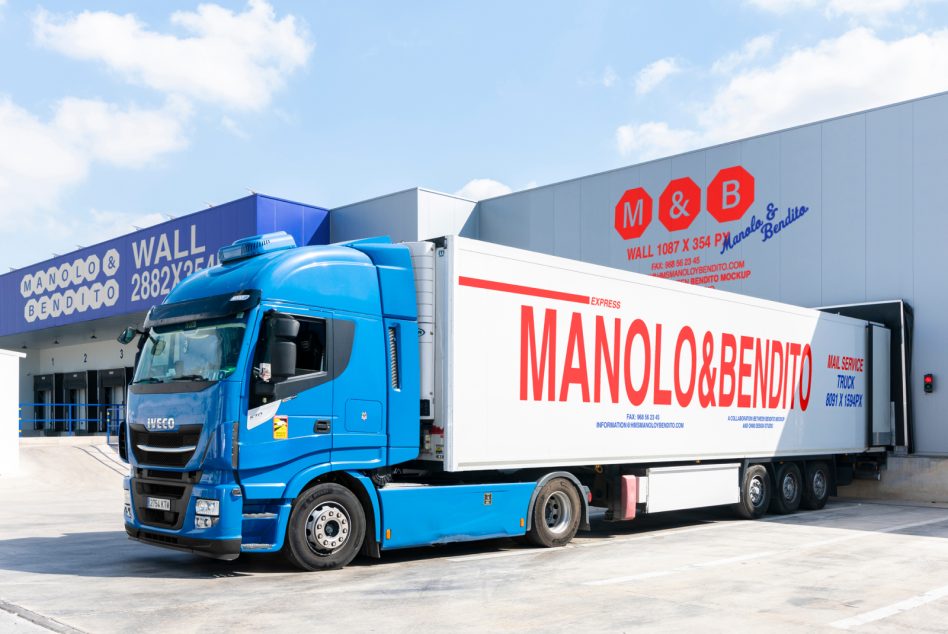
x: 191, y: 377
x: 149, y: 379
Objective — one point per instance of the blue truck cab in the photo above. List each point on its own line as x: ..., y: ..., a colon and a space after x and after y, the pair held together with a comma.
x: 275, y: 407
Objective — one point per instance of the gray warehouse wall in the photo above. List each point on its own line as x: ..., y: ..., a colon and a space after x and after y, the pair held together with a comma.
x: 405, y: 216
x: 873, y: 186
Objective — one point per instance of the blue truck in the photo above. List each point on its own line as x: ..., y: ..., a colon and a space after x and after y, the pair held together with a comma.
x: 327, y: 401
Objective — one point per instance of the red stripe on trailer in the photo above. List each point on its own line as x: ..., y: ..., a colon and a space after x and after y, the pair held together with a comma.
x: 522, y: 290
x: 628, y: 497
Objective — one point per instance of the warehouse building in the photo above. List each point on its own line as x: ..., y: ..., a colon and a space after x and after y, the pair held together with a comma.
x: 845, y: 213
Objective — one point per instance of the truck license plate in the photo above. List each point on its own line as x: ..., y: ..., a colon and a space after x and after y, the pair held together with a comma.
x: 159, y: 504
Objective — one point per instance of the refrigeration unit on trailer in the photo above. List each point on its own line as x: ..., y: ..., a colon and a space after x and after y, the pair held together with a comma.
x: 367, y: 396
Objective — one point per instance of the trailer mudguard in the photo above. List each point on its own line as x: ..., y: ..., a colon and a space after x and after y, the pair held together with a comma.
x: 583, y: 495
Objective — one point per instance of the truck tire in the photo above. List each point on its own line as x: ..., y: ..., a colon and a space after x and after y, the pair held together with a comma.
x: 326, y: 528
x: 816, y: 489
x: 556, y: 514
x: 755, y: 493
x: 788, y: 489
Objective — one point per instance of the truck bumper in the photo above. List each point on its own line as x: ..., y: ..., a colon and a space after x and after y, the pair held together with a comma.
x: 226, y: 549
x: 174, y: 526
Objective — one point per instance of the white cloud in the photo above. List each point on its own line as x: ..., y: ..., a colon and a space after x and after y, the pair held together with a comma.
x: 234, y: 128
x: 852, y: 72
x: 752, y: 49
x: 609, y: 77
x: 47, y: 234
x: 481, y: 188
x: 126, y: 138
x: 236, y: 60
x: 654, y: 138
x: 40, y: 160
x: 96, y: 226
x: 867, y: 8
x: 36, y: 162
x: 100, y: 225
x: 655, y: 73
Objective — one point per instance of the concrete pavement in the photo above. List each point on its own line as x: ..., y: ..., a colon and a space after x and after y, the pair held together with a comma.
x: 855, y: 565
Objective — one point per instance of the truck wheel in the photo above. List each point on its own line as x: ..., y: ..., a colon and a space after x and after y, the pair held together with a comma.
x: 789, y: 489
x: 817, y: 487
x: 326, y: 528
x: 556, y: 514
x: 755, y: 493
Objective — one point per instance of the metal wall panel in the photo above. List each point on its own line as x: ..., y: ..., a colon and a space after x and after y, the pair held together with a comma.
x: 716, y: 159
x: 567, y: 221
x: 599, y: 242
x: 873, y: 186
x: 442, y: 214
x: 930, y: 181
x: 843, y: 216
x: 394, y: 215
x: 761, y: 157
x: 801, y: 249
x: 889, y: 205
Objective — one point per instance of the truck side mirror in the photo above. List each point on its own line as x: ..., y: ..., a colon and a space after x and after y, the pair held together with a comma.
x: 127, y: 336
x: 284, y: 328
x: 282, y: 334
x: 283, y: 359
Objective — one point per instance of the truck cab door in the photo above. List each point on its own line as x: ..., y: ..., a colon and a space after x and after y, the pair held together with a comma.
x: 360, y: 440
x: 290, y: 421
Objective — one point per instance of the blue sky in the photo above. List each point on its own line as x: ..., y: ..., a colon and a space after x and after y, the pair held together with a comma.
x: 113, y: 114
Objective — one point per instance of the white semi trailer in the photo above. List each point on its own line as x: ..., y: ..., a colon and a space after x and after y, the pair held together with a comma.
x: 678, y: 396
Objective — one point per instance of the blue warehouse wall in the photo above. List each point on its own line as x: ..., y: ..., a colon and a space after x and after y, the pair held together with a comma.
x: 133, y: 272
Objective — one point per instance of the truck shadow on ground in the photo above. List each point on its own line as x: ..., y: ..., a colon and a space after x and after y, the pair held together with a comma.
x: 109, y: 554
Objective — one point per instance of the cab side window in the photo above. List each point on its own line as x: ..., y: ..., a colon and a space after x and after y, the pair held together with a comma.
x: 311, y: 346
x: 312, y: 359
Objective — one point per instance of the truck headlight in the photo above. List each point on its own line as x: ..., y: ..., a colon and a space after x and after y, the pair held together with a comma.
x: 207, y: 507
x: 128, y: 498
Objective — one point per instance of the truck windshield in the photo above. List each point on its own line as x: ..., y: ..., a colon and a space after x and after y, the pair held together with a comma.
x: 192, y: 351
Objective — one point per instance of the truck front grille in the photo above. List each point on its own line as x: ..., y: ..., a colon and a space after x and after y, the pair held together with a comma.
x: 179, y: 493
x: 164, y: 448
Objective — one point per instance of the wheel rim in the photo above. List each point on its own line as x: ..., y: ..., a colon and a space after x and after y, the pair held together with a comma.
x: 757, y: 491
x: 789, y: 486
x: 558, y: 512
x: 819, y: 484
x: 327, y: 528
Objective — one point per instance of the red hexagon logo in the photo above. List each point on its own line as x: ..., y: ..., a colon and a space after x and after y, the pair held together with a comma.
x: 633, y: 213
x: 730, y: 194
x: 679, y: 204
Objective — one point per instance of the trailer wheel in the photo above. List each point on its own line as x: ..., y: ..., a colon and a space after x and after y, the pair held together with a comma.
x: 326, y: 528
x: 788, y: 490
x: 556, y: 514
x: 755, y: 493
x: 817, y: 487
